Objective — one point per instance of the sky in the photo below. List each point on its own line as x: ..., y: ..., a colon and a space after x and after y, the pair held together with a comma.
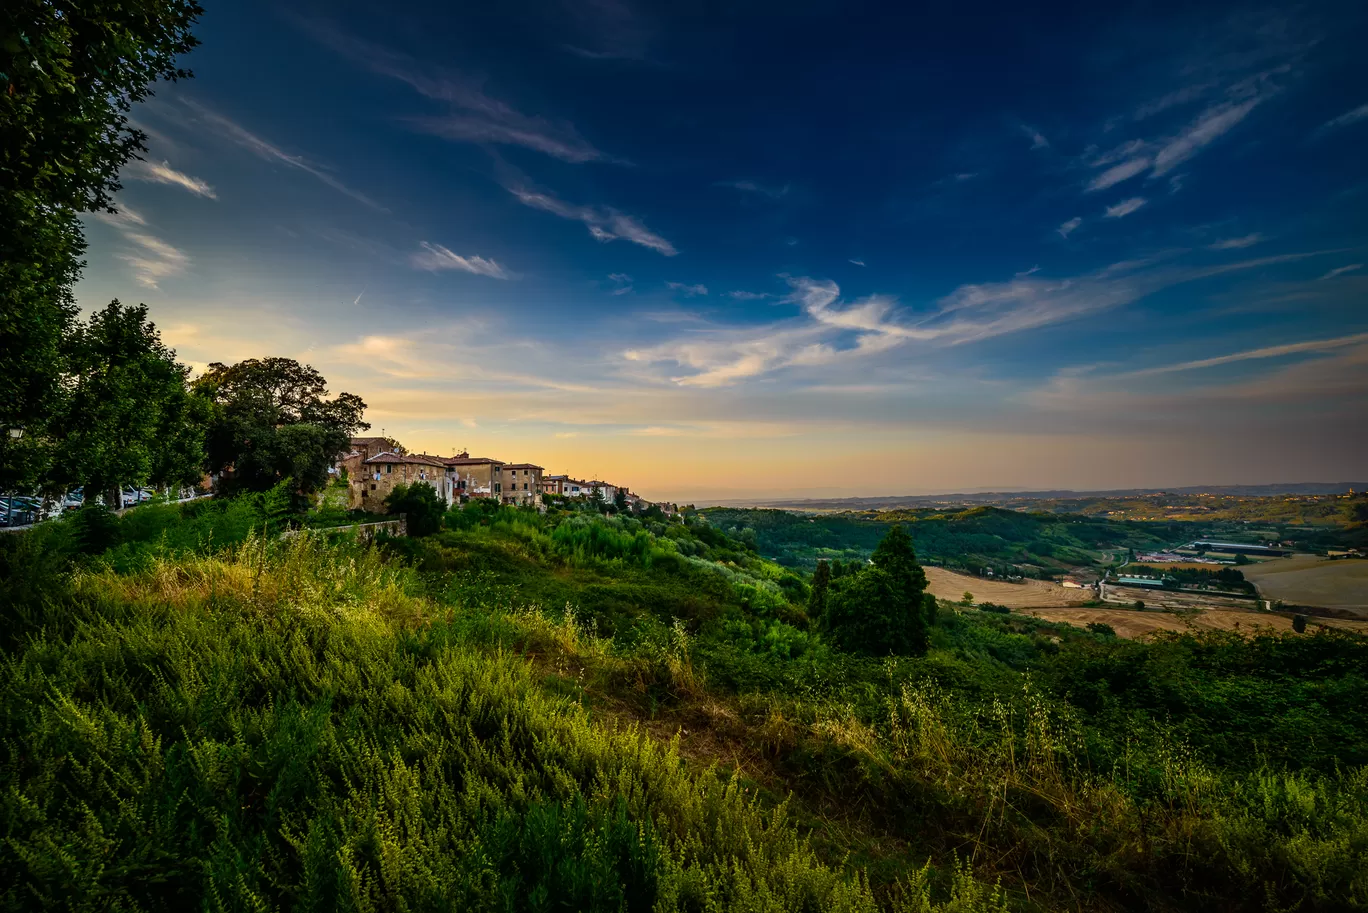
x: 789, y: 249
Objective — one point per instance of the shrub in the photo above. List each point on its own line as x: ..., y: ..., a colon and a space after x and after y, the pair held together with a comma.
x: 422, y: 506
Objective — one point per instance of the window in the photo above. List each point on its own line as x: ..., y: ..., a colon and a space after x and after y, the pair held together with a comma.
x: 524, y: 486
x: 497, y: 487
x: 389, y: 467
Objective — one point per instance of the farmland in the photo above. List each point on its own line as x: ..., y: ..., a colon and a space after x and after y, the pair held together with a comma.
x: 945, y: 584
x: 1312, y: 581
x: 1131, y: 624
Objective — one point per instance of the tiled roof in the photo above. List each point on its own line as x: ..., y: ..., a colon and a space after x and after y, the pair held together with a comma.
x: 521, y: 466
x: 389, y: 457
x: 470, y: 461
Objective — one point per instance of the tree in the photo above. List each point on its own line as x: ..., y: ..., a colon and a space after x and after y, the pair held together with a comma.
x: 272, y: 420
x: 1299, y: 624
x: 884, y: 608
x: 69, y: 75
x: 821, y: 582
x: 421, y: 504
x: 620, y: 500
x: 1242, y: 559
x: 967, y: 599
x: 127, y: 417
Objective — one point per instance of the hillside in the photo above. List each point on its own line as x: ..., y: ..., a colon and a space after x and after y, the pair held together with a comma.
x: 523, y: 710
x: 1008, y: 541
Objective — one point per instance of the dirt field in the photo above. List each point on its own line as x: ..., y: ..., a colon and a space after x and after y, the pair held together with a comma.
x: 1028, y: 594
x: 1131, y: 624
x: 1168, y: 599
x: 1312, y: 581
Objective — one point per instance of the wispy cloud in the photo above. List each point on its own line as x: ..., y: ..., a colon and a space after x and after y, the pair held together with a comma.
x: 436, y: 258
x: 1344, y: 120
x: 774, y: 193
x: 1038, y: 140
x: 604, y: 223
x: 1278, y: 351
x: 1125, y: 207
x: 1182, y: 96
x: 1069, y: 227
x: 151, y: 258
x: 688, y: 291
x: 151, y: 172
x: 857, y: 262
x: 270, y: 152
x: 1118, y: 173
x: 828, y: 330
x: 1237, y: 243
x: 474, y: 115
x: 1209, y: 126
x: 747, y: 296
x: 622, y: 281
x: 1340, y: 271
x: 613, y: 29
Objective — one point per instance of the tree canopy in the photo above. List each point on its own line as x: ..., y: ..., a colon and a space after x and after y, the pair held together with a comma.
x: 127, y: 416
x: 69, y: 75
x: 884, y: 608
x: 272, y: 419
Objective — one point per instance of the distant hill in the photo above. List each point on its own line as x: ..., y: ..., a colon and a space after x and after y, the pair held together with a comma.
x: 1003, y: 498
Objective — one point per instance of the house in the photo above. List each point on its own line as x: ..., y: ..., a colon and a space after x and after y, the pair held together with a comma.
x: 522, y: 484
x: 383, y: 472
x: 554, y: 485
x: 360, y: 449
x: 474, y: 477
x: 606, y: 491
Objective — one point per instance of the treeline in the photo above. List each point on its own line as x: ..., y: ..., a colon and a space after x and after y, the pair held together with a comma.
x: 974, y: 539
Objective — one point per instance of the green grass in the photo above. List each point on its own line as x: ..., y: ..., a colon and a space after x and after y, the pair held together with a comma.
x: 569, y: 712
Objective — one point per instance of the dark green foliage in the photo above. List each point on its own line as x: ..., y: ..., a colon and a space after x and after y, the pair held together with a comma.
x: 821, y: 582
x: 1098, y: 627
x: 982, y: 537
x: 1299, y: 624
x: 272, y: 419
x: 95, y: 528
x: 994, y: 607
x: 421, y: 505
x: 69, y: 75
x: 882, y: 610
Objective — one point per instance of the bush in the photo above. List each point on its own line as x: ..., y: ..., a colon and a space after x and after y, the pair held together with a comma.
x: 422, y: 506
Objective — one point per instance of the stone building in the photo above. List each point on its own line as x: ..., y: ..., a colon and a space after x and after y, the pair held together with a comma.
x: 474, y: 477
x: 522, y: 484
x: 360, y: 449
x: 381, y: 473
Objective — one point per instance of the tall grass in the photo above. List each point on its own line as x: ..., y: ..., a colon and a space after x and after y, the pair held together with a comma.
x: 287, y: 725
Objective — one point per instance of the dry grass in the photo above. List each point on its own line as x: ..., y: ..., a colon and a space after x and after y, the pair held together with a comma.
x: 1028, y: 594
x: 1313, y: 581
x: 1131, y: 624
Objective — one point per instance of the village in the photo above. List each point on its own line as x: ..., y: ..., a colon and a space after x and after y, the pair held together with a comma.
x: 375, y: 466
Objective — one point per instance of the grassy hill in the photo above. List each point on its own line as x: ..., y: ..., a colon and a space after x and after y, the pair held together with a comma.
x: 527, y: 712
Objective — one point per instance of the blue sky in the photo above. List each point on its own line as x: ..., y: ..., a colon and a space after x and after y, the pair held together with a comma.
x: 824, y: 248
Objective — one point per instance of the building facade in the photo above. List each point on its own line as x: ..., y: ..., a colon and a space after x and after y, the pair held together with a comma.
x: 474, y: 477
x: 522, y: 484
x: 382, y: 473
